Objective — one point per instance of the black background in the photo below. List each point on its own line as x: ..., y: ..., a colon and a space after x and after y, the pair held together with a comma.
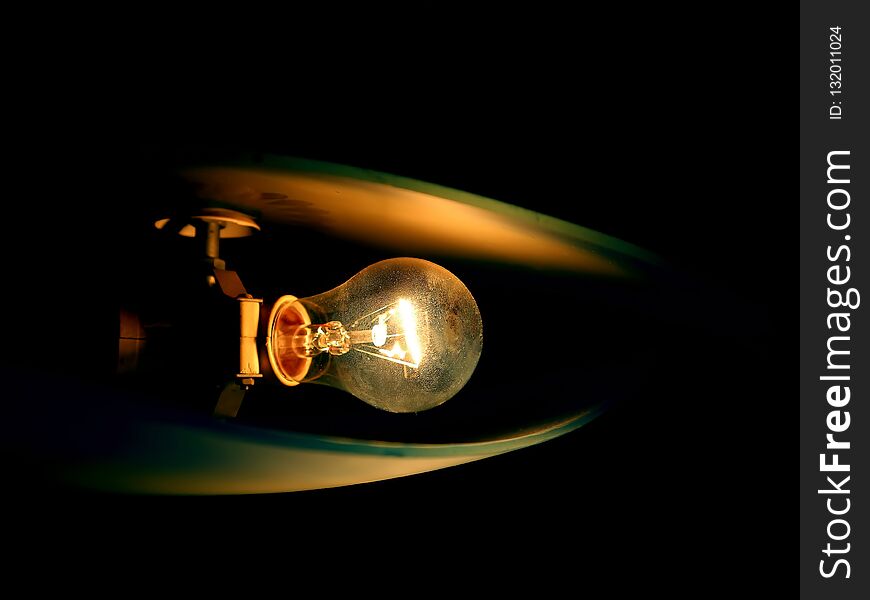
x: 655, y: 135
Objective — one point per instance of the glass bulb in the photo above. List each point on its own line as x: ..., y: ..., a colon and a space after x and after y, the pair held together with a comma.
x: 403, y: 335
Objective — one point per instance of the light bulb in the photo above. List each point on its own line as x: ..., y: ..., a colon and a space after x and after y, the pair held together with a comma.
x: 403, y: 335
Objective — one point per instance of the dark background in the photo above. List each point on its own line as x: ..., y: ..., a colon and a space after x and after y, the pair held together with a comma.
x: 646, y: 134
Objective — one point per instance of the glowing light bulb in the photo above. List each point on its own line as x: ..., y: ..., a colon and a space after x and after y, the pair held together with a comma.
x: 403, y: 335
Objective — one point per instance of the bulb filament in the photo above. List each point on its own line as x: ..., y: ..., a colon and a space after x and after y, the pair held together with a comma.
x: 369, y: 335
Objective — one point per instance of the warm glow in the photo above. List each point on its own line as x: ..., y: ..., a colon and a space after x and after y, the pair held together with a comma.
x: 418, y: 222
x: 405, y: 331
x: 395, y: 352
x: 409, y: 326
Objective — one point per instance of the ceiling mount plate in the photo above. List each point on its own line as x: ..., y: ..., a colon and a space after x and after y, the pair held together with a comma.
x: 233, y: 224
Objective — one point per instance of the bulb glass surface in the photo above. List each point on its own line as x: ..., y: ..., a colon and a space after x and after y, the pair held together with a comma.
x: 403, y: 335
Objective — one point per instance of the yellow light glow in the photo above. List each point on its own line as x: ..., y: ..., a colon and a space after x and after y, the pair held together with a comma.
x: 409, y: 326
x: 395, y: 352
x: 407, y: 331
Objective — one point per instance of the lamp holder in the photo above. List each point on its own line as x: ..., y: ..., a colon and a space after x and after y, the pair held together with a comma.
x: 210, y: 225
